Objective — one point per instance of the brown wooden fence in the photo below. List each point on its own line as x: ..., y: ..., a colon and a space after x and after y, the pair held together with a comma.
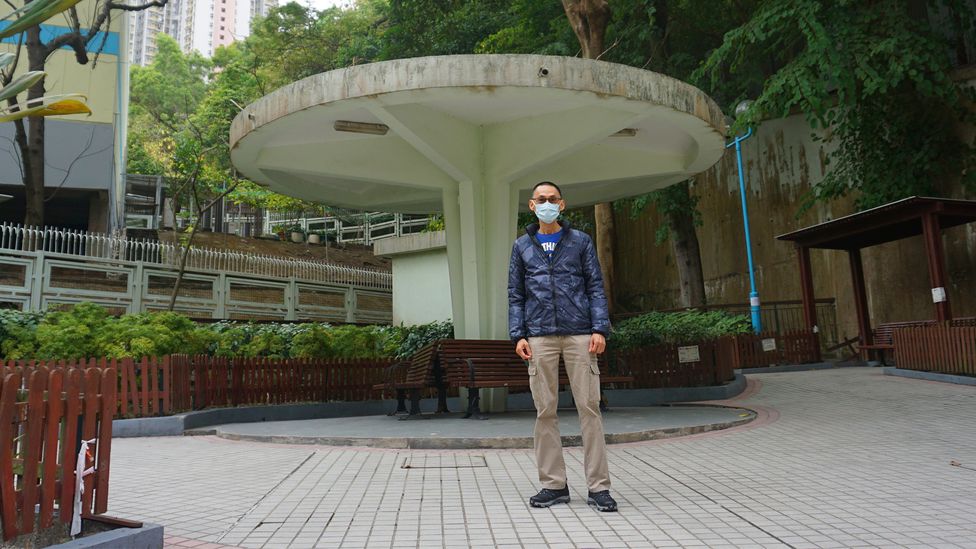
x: 703, y: 364
x: 939, y: 348
x: 44, y: 414
x: 246, y: 381
x: 771, y: 349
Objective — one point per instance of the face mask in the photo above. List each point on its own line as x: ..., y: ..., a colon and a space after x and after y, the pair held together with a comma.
x: 547, y: 213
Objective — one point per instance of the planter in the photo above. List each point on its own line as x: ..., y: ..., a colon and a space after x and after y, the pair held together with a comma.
x: 282, y: 236
x: 314, y: 238
x: 98, y: 532
x: 297, y: 237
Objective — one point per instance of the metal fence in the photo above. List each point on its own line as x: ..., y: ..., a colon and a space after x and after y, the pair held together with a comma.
x: 51, y: 268
x: 117, y: 247
x: 364, y: 228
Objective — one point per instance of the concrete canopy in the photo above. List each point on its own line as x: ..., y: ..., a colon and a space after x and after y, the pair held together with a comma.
x: 469, y: 136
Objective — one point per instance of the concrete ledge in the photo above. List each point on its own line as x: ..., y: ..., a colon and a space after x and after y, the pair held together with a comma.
x: 929, y: 376
x: 422, y: 442
x: 196, y: 422
x: 412, y: 243
x: 802, y: 367
x: 150, y: 536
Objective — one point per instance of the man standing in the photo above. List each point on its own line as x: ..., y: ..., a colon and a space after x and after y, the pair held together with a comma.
x: 556, y: 306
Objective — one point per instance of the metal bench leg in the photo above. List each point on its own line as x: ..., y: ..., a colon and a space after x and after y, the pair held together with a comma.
x: 442, y: 399
x: 401, y: 403
x: 604, y: 403
x: 474, y: 405
x: 414, y: 406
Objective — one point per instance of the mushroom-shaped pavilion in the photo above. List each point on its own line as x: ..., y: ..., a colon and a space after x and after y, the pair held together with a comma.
x: 469, y: 136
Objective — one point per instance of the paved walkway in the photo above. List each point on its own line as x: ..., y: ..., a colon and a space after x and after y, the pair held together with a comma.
x: 836, y: 458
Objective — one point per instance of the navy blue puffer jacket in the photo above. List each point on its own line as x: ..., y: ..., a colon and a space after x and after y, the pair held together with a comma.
x: 561, y: 296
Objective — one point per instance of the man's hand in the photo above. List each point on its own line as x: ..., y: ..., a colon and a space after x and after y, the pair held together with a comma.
x: 598, y: 343
x: 522, y: 349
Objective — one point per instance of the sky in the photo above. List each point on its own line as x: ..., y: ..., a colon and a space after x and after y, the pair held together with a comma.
x: 322, y: 4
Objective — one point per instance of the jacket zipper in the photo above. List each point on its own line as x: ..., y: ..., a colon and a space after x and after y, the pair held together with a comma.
x: 550, y: 260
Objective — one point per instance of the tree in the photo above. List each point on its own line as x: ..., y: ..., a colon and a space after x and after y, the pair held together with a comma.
x: 30, y: 137
x: 875, y: 75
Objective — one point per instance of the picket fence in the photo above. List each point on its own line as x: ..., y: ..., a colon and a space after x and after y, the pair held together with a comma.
x: 944, y: 349
x: 45, y: 413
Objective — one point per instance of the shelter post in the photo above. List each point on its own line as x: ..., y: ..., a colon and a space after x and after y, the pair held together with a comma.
x: 932, y: 233
x: 860, y: 297
x: 806, y: 288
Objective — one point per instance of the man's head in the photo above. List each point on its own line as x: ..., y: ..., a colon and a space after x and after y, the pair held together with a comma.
x: 546, y: 192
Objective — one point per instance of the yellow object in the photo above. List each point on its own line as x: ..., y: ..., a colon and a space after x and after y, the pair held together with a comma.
x: 58, y: 105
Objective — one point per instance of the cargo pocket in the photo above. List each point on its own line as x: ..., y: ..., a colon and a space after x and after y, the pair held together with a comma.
x: 594, y: 365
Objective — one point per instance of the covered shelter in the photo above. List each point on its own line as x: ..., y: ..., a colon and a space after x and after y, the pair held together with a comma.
x: 894, y: 221
x: 469, y: 136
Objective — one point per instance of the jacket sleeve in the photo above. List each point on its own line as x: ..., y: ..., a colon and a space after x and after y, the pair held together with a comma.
x: 516, y: 295
x: 593, y: 277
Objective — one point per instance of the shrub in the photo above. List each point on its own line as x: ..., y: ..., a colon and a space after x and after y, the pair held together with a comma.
x: 87, y: 330
x: 684, y: 327
x: 415, y: 337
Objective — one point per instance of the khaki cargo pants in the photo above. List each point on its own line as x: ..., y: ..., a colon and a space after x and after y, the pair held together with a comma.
x: 584, y: 378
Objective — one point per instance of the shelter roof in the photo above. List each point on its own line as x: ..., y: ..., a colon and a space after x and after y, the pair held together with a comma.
x: 886, y: 223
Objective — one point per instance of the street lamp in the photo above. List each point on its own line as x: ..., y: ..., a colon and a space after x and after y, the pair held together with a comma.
x: 740, y: 109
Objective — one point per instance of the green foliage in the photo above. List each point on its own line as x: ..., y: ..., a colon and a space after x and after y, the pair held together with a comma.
x: 671, y: 202
x: 413, y: 338
x: 875, y: 75
x: 87, y: 330
x: 676, y: 328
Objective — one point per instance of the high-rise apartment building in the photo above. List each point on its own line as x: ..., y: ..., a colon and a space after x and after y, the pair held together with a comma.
x: 197, y: 25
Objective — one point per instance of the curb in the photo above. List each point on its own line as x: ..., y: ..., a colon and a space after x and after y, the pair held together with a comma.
x: 929, y: 376
x: 802, y: 367
x: 195, y: 422
x: 486, y: 443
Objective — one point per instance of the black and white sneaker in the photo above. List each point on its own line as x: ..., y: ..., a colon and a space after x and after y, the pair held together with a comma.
x: 548, y: 498
x: 602, y: 501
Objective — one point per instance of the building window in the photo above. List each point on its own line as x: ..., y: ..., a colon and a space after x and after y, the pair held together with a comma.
x: 221, y: 36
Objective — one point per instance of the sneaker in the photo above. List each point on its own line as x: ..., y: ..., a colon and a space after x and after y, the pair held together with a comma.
x: 548, y: 498
x: 602, y: 501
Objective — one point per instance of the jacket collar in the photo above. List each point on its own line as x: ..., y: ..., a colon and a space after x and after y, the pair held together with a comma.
x: 533, y: 228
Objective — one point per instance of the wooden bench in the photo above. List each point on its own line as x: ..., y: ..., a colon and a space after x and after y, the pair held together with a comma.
x: 413, y: 376
x: 882, y: 337
x: 479, y: 364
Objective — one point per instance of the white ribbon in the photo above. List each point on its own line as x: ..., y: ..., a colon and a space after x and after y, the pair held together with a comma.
x: 80, y: 473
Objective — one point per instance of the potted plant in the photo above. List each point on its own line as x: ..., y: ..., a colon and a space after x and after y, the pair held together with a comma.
x: 297, y: 233
x: 316, y: 237
x: 280, y: 231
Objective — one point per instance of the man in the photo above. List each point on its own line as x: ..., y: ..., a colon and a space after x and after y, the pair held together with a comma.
x: 556, y: 306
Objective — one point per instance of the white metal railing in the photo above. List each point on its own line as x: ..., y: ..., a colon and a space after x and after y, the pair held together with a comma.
x: 116, y: 246
x: 365, y: 229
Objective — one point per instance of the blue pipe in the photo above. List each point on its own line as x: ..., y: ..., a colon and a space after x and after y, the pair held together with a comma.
x: 753, y: 294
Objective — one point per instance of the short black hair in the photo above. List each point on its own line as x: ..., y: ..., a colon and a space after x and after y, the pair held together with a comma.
x: 548, y: 184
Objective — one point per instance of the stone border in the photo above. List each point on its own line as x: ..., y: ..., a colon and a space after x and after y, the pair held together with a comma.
x: 487, y: 443
x: 803, y: 367
x: 929, y: 376
x: 150, y: 536
x: 194, y: 422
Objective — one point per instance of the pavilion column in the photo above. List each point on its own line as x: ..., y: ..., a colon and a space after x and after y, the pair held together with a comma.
x: 806, y: 288
x: 452, y: 228
x: 860, y: 297
x: 806, y: 291
x: 932, y: 233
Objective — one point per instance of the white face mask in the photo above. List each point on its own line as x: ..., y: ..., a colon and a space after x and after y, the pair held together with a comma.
x: 547, y: 212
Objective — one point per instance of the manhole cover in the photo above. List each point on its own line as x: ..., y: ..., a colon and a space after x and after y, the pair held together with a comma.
x: 443, y: 462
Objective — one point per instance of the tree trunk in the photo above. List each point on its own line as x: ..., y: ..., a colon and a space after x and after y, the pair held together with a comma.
x: 589, y: 19
x: 34, y: 159
x: 687, y: 255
